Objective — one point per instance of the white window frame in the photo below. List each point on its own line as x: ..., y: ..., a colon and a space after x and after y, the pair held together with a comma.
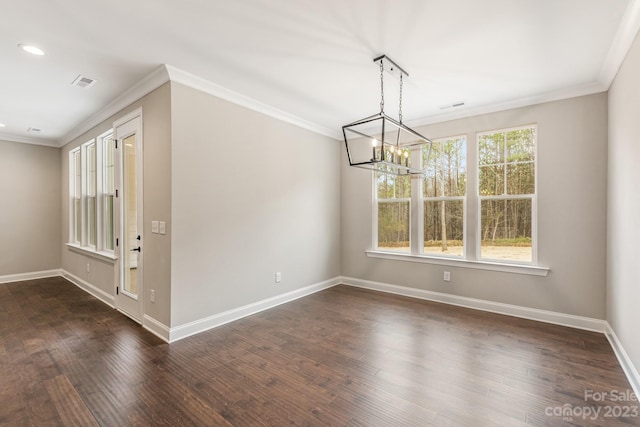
x: 532, y: 197
x: 424, y: 199
x: 87, y: 194
x: 75, y: 195
x: 377, y: 201
x: 472, y: 215
x: 82, y: 244
x: 104, y: 193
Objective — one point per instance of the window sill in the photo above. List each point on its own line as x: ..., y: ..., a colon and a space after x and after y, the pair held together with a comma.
x: 532, y: 270
x: 102, y: 255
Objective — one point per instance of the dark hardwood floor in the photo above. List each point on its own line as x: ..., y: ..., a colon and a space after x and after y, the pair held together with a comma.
x: 344, y: 357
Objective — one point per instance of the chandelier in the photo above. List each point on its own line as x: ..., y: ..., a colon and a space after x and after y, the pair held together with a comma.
x: 383, y: 144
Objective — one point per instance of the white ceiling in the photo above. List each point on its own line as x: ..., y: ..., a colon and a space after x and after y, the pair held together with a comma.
x: 311, y: 59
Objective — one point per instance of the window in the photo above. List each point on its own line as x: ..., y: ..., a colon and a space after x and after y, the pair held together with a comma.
x: 428, y: 217
x: 75, y: 174
x: 444, y: 189
x: 108, y: 190
x: 393, y: 218
x: 506, y: 188
x: 91, y: 193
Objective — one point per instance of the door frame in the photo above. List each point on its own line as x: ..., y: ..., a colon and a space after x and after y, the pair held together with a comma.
x: 132, y: 307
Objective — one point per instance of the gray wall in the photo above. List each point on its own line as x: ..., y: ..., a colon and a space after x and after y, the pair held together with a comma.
x: 156, y: 119
x: 30, y: 213
x: 623, y: 261
x: 251, y: 195
x: 572, y: 164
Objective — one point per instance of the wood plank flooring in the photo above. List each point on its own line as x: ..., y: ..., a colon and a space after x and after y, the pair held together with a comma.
x: 340, y: 357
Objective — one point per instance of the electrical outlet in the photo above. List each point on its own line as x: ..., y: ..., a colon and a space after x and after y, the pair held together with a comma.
x: 447, y: 276
x: 153, y: 295
x: 278, y: 277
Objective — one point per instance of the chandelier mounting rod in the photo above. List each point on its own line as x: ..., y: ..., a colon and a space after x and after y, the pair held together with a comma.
x: 390, y: 66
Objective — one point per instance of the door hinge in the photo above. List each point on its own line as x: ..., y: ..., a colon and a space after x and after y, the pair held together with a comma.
x: 116, y: 193
x: 117, y: 242
x: 117, y: 290
x: 116, y: 141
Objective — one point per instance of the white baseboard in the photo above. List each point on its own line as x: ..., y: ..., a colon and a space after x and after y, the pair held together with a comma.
x: 89, y: 288
x: 569, y: 320
x: 30, y: 276
x: 201, y: 325
x: 155, y: 327
x: 625, y: 361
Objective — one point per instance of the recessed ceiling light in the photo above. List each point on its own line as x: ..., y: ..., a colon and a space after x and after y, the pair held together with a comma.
x: 2, y: 125
x: 31, y: 49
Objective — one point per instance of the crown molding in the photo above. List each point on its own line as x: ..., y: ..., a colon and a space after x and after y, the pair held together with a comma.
x: 166, y: 73
x: 558, y: 95
x: 625, y: 36
x: 198, y: 83
x: 28, y: 140
x: 157, y: 78
x: 622, y: 41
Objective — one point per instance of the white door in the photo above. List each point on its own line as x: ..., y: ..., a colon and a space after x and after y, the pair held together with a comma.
x: 129, y: 287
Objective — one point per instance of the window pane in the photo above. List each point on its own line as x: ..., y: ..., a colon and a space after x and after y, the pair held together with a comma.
x: 77, y: 213
x: 91, y: 220
x: 443, y: 227
x: 521, y: 178
x: 91, y: 168
x: 491, y: 148
x: 446, y: 168
x: 393, y: 226
x: 77, y: 184
x: 108, y: 222
x: 506, y: 229
x: 393, y: 187
x: 520, y: 145
x: 75, y: 194
x: 491, y: 180
x: 109, y: 165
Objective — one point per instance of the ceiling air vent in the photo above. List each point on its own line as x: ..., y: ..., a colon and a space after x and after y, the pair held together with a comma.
x: 33, y: 130
x: 83, y: 82
x: 454, y: 105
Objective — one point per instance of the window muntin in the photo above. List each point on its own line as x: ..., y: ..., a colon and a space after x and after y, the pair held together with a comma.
x: 443, y: 190
x: 393, y: 194
x: 506, y: 187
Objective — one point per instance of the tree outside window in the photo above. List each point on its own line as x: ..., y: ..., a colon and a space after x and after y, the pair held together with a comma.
x: 444, y: 191
x: 506, y: 185
x: 393, y: 202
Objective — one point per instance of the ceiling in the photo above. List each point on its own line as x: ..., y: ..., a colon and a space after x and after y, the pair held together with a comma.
x: 309, y: 59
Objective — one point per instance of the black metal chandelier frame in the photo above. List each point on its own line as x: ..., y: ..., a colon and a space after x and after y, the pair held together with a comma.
x: 388, y: 143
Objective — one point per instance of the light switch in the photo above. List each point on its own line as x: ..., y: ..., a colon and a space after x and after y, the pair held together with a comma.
x: 154, y: 227
x: 162, y: 227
